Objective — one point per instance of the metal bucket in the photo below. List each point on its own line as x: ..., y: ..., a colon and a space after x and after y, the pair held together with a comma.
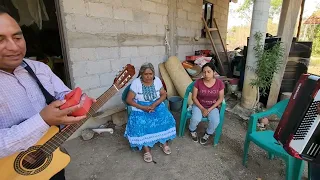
x: 175, y: 103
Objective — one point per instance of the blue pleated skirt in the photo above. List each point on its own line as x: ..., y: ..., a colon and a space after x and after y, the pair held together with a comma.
x: 147, y: 129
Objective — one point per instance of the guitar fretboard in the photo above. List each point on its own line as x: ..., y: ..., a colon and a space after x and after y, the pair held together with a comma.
x: 57, y: 140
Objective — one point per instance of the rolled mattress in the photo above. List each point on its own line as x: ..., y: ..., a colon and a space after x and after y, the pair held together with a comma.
x: 171, y: 90
x: 178, y: 75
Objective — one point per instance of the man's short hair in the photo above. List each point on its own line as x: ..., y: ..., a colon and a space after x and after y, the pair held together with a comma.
x: 4, y: 10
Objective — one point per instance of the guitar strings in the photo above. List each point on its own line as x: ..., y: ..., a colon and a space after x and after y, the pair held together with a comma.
x: 98, y: 104
x: 42, y: 155
x: 50, y: 150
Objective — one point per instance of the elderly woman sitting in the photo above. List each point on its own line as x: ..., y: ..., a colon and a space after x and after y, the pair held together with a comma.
x: 150, y: 121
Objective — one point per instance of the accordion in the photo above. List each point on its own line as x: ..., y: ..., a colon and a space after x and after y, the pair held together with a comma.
x: 299, y: 129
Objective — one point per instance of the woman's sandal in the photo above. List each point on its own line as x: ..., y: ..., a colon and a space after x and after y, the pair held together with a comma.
x: 166, y: 149
x: 147, y: 157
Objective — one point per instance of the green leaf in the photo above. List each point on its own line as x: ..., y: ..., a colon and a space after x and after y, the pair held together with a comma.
x: 245, y: 10
x: 268, y: 63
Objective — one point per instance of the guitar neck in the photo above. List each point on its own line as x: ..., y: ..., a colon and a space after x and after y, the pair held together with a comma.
x: 58, y: 139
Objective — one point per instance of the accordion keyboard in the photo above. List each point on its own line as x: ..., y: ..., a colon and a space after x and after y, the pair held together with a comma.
x: 307, y: 127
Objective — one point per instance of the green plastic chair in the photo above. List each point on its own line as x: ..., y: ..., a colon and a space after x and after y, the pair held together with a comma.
x: 128, y: 107
x: 186, y: 114
x: 266, y: 141
x: 309, y: 172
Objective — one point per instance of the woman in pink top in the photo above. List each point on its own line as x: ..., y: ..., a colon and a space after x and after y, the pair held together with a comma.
x: 207, y: 95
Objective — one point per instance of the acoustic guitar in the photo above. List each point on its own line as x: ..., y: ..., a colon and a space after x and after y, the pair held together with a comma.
x: 45, y: 158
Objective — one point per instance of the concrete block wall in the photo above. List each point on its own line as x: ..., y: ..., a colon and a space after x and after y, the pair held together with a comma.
x: 189, y: 25
x: 221, y: 10
x: 104, y: 35
x: 189, y: 18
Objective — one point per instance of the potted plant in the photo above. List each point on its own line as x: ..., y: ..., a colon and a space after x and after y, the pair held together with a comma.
x: 268, y: 63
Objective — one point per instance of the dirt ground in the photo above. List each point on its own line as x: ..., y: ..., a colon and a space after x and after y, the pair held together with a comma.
x: 108, y: 156
x: 314, y: 69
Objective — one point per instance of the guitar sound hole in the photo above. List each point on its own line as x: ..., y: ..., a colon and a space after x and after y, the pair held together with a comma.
x: 34, y: 160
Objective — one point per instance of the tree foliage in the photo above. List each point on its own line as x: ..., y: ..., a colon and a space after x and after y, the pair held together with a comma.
x: 237, y: 35
x: 316, y: 33
x: 245, y: 8
x: 268, y: 62
x: 311, y: 32
x: 316, y: 42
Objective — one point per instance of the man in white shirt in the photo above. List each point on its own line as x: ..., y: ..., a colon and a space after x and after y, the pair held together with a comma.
x: 25, y: 115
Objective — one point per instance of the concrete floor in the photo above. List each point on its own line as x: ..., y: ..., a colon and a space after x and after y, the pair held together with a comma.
x: 109, y: 157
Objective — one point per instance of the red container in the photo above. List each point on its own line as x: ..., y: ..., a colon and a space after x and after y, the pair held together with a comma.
x: 205, y: 52
x: 234, y: 81
x: 192, y: 58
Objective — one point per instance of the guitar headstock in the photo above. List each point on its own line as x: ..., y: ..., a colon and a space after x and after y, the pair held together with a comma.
x: 124, y: 76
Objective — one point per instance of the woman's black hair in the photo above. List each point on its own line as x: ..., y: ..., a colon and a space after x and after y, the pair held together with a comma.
x: 210, y: 65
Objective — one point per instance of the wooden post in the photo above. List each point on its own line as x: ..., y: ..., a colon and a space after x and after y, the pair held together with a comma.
x: 289, y: 16
x: 300, y: 18
x: 259, y: 23
x: 284, y: 9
